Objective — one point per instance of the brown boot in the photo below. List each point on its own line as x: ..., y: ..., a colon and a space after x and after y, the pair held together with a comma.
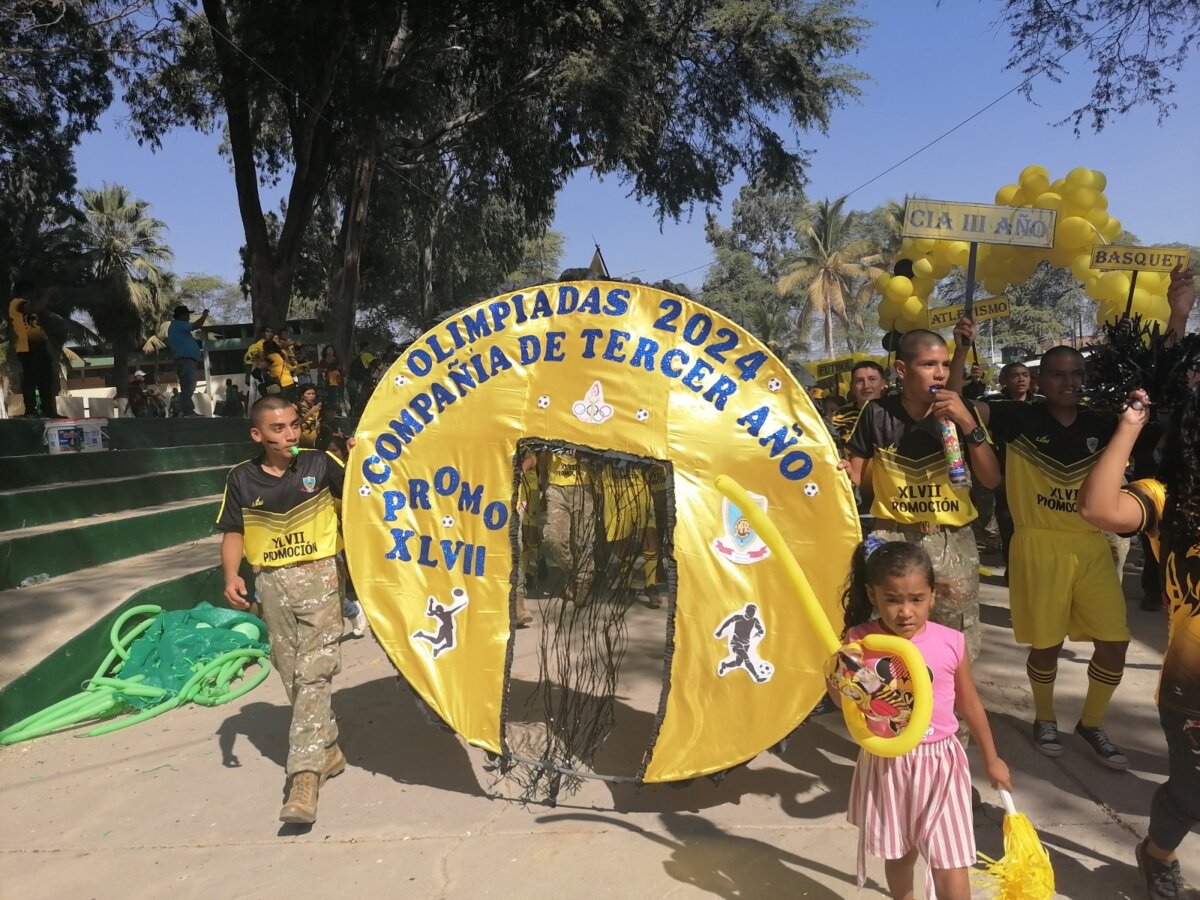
x: 335, y: 763
x: 301, y: 805
x: 524, y: 617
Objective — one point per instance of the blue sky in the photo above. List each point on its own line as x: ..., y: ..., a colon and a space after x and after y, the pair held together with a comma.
x: 929, y: 68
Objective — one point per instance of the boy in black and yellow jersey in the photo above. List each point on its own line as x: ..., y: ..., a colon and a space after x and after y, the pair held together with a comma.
x: 896, y: 454
x: 280, y: 512
x: 1061, y: 577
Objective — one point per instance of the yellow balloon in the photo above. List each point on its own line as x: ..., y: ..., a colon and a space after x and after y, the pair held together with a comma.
x: 1081, y: 267
x: 1154, y: 282
x: 1081, y: 177
x: 1073, y: 232
x: 1099, y: 181
x: 889, y: 308
x: 922, y: 287
x: 958, y: 252
x: 899, y: 288
x: 913, y: 311
x: 1098, y: 217
x: 1021, y: 197
x: 1036, y: 184
x: 1108, y: 313
x: 1047, y: 200
x: 924, y: 245
x: 1092, y: 286
x: 1034, y: 172
x: 941, y: 268
x: 881, y: 282
x: 1004, y: 196
x: 1112, y: 229
x: 923, y: 268
x: 1101, y: 201
x: 1141, y: 301
x: 1082, y: 198
x: 1114, y: 286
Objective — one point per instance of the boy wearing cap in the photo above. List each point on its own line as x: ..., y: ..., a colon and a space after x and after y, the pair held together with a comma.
x: 138, y: 404
x: 186, y: 352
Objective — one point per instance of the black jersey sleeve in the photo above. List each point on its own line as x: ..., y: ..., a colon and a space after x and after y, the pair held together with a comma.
x: 229, y: 518
x: 862, y: 439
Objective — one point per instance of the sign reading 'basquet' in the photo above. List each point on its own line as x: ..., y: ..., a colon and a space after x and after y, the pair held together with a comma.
x: 1140, y: 259
x: 979, y: 222
x: 946, y: 316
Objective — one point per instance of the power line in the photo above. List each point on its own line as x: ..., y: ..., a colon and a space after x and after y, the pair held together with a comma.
x: 949, y: 131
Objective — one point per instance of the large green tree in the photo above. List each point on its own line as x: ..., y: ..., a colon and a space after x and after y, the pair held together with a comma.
x: 126, y: 259
x: 675, y: 98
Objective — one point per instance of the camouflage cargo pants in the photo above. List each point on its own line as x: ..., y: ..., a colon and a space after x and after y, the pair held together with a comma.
x: 956, y: 574
x: 302, y: 605
x: 570, y: 530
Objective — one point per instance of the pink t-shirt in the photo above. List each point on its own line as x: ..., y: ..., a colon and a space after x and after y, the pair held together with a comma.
x: 886, y: 682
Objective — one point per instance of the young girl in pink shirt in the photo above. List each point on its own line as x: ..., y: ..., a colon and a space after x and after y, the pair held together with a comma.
x: 918, y: 803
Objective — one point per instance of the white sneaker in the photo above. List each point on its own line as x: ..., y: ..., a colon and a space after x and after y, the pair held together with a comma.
x: 360, y: 624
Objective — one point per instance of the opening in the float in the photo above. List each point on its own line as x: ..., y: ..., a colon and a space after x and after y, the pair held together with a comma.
x: 594, y: 585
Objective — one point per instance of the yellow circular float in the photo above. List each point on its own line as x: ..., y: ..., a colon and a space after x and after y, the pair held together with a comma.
x: 636, y: 373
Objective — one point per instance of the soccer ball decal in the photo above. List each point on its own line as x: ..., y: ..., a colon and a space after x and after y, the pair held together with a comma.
x: 811, y: 489
x: 774, y: 385
x: 543, y: 402
x: 364, y: 491
x: 400, y: 381
x: 447, y: 521
x: 765, y: 670
x: 642, y: 415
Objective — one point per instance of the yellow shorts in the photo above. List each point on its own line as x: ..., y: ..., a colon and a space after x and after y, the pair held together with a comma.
x: 1064, y: 584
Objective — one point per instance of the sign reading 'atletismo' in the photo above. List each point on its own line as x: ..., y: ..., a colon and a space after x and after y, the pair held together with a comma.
x: 1140, y: 259
x: 979, y: 222
x: 992, y: 308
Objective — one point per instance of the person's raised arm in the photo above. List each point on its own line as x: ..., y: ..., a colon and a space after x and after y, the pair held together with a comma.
x: 1181, y: 296
x: 1101, y: 501
x: 984, y: 464
x: 964, y: 334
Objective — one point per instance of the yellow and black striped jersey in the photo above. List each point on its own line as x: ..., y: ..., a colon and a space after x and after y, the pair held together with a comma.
x: 844, y: 420
x: 1045, y: 462
x: 910, y: 478
x: 288, y: 518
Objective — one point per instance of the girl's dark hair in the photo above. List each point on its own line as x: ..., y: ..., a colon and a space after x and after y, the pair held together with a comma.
x: 1180, y: 473
x: 874, y: 560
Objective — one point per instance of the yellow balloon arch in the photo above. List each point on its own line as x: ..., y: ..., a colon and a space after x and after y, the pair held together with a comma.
x: 430, y: 494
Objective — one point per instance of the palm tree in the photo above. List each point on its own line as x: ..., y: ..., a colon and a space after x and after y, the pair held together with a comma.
x: 832, y: 256
x: 126, y: 263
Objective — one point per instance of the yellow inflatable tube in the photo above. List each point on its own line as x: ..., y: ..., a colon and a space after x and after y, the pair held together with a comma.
x: 891, y: 645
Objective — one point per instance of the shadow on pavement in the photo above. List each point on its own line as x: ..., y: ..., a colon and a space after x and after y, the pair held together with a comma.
x: 709, y: 859
x: 381, y: 731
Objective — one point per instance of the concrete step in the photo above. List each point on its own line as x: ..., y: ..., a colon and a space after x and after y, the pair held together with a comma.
x: 54, y: 635
x: 45, y: 504
x: 17, y: 472
x: 61, y: 547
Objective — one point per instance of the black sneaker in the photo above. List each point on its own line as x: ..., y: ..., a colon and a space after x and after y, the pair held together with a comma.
x: 1098, y: 740
x: 1164, y: 881
x: 1045, y: 737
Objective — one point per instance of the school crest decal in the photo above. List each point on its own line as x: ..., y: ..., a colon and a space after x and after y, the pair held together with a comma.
x: 1093, y: 444
x: 310, y: 484
x: 740, y: 543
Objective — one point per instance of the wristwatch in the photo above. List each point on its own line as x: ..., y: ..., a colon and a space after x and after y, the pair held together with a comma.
x: 976, y: 435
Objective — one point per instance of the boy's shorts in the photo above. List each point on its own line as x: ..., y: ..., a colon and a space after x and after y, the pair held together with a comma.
x: 1064, y: 584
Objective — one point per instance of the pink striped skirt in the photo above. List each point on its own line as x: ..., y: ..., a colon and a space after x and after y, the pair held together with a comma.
x: 921, y: 799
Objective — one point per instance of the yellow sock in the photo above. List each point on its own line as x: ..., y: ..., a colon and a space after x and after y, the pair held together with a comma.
x: 1041, y: 683
x: 651, y: 568
x: 1101, y: 684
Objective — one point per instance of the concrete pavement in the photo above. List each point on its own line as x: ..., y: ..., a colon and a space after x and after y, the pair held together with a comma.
x: 186, y: 805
